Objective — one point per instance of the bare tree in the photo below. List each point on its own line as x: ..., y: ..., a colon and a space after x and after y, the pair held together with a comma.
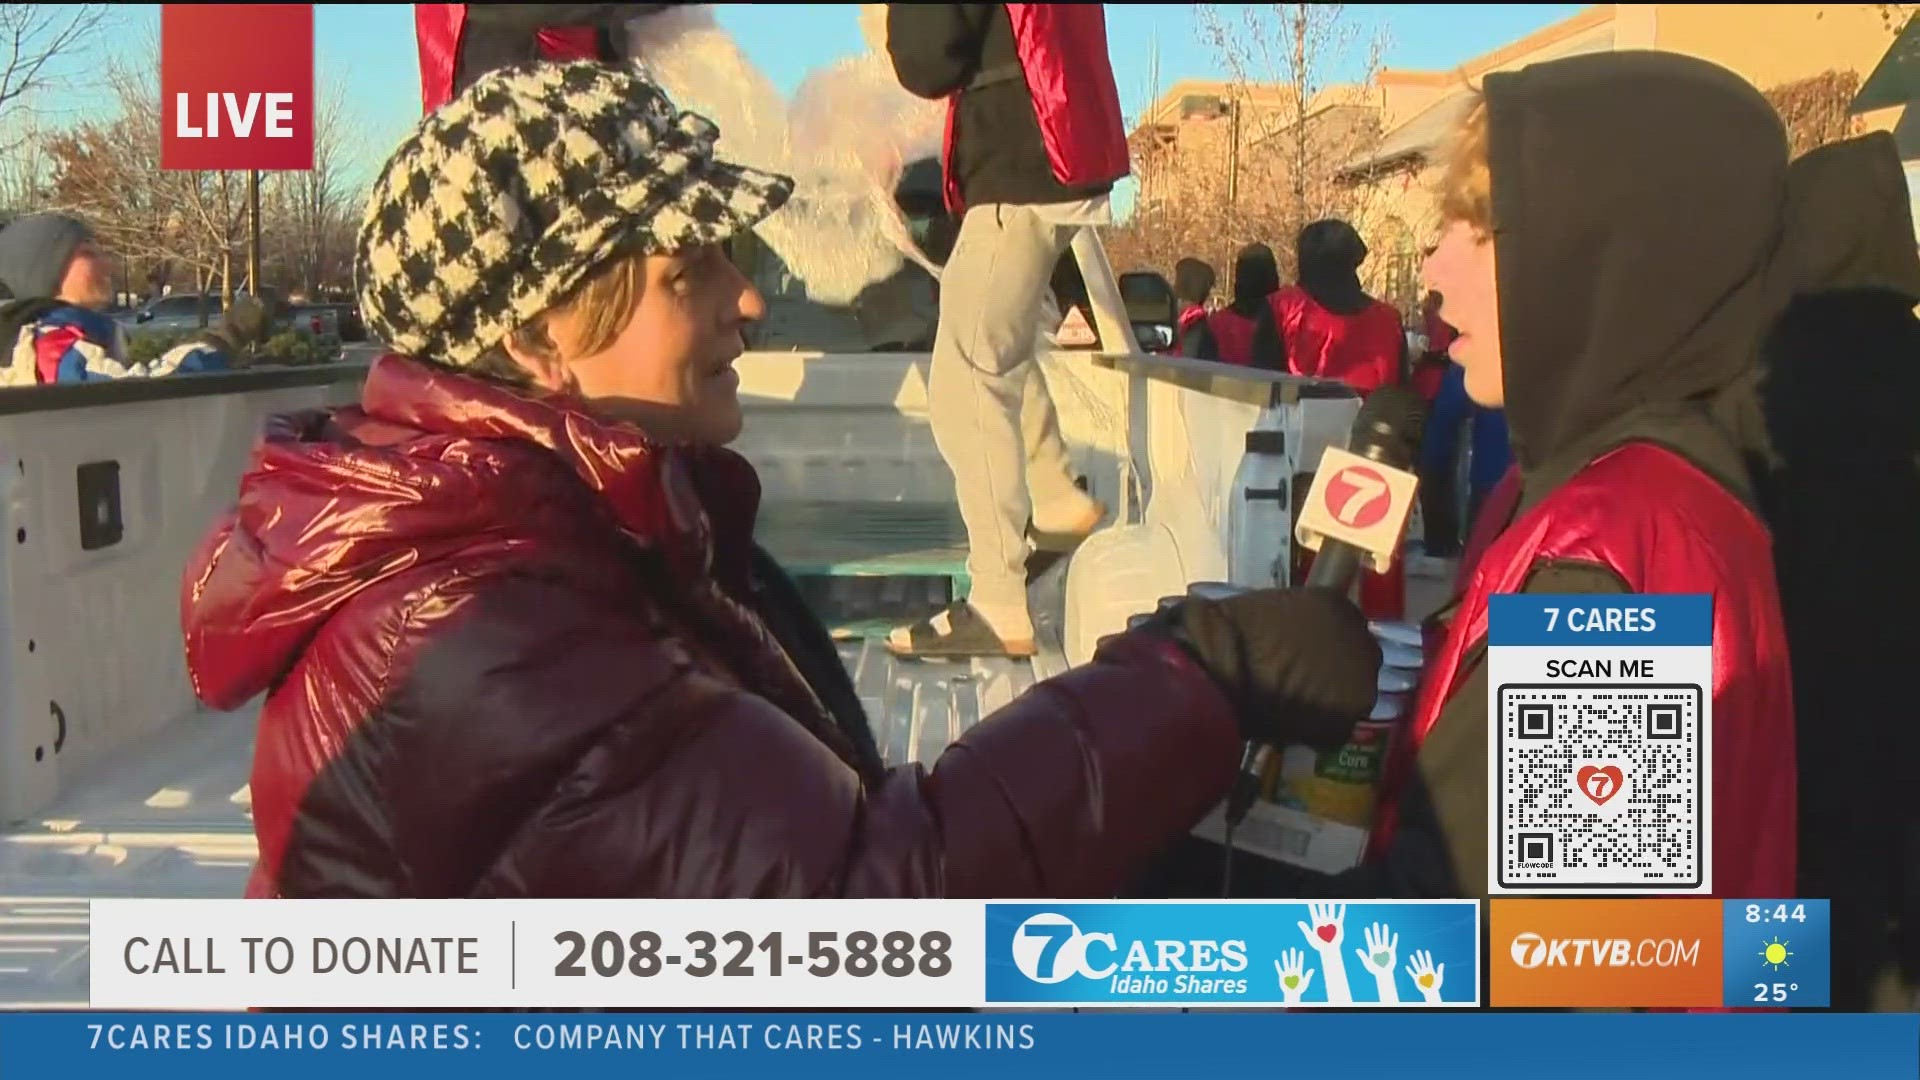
x: 309, y: 215
x: 108, y: 171
x: 1300, y: 101
x: 1325, y: 67
x: 31, y: 36
x: 1815, y: 109
x: 25, y: 165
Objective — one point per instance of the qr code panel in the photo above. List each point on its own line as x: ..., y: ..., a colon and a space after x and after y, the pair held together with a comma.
x: 1646, y: 830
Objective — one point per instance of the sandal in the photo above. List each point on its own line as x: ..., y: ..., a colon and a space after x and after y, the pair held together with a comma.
x: 956, y: 633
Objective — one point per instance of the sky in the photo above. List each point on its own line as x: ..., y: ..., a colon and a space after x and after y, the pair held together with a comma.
x: 368, y: 50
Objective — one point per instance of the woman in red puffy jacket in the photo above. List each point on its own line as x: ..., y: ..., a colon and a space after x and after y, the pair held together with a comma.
x: 513, y: 630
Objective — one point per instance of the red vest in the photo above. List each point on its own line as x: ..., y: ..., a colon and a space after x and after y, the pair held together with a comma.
x: 1190, y: 317
x: 439, y: 28
x: 1428, y: 377
x: 1063, y: 52
x: 1361, y: 350
x: 1232, y: 336
x: 1644, y: 511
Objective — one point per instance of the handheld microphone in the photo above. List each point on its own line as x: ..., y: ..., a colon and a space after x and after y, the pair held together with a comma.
x: 1361, y: 496
x: 1354, y: 514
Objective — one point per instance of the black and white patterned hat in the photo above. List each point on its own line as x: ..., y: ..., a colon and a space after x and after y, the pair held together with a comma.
x: 510, y: 195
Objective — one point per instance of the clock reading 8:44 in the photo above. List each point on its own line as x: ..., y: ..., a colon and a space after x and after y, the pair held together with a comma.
x: 1776, y: 953
x: 1777, y: 913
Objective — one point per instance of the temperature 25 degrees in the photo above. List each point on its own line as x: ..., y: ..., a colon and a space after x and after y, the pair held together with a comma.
x: 1776, y: 954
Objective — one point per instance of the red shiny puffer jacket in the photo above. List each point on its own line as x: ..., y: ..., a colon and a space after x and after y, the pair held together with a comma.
x: 510, y: 651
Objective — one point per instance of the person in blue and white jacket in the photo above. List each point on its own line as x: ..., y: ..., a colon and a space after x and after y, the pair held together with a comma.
x: 55, y: 329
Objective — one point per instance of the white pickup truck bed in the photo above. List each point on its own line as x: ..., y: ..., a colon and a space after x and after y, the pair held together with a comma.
x: 170, y: 817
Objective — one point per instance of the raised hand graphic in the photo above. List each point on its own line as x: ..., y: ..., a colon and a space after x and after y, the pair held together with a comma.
x: 1377, y: 957
x: 1427, y: 977
x: 1294, y: 976
x: 1325, y: 935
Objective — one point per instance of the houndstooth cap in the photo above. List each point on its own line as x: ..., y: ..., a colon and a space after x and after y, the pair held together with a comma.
x: 507, y: 197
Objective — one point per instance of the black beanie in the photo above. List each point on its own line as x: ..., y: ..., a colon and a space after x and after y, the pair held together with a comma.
x: 35, y: 251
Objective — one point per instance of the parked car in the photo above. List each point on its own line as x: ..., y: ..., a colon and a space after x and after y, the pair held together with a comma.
x: 329, y: 317
x: 190, y: 311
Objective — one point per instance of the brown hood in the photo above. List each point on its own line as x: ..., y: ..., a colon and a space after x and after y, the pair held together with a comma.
x: 1851, y: 220
x: 1638, y: 200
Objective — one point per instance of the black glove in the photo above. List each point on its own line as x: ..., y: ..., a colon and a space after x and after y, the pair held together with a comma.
x: 1299, y: 665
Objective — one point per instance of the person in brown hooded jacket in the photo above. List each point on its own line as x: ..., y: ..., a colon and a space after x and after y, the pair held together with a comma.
x: 1612, y: 257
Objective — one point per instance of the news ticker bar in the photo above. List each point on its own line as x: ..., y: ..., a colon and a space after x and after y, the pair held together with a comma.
x: 885, y: 1046
x: 902, y: 954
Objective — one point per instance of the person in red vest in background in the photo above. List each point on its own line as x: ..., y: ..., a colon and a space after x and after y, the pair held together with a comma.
x: 1193, y: 288
x: 1330, y: 327
x: 1243, y: 332
x: 461, y: 42
x: 1034, y: 144
x: 1430, y: 367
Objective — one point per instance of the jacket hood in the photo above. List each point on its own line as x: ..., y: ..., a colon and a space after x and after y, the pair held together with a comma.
x: 1192, y: 281
x: 1329, y: 254
x: 435, y: 466
x: 1851, y: 219
x: 1639, y: 202
x: 1256, y: 276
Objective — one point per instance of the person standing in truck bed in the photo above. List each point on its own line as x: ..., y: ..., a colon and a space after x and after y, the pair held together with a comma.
x: 1034, y: 145
x: 461, y: 42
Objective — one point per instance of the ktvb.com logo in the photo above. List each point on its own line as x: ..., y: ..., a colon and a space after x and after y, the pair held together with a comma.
x: 1530, y: 951
x: 1593, y: 954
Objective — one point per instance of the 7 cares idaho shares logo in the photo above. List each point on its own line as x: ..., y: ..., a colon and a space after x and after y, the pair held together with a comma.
x: 1283, y: 953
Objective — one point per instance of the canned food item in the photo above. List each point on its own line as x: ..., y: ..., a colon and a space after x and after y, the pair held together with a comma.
x: 1339, y: 785
x: 1287, y: 777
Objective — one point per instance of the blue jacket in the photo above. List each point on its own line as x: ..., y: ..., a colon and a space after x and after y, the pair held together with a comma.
x: 195, y: 357
x: 55, y: 342
x: 1453, y: 408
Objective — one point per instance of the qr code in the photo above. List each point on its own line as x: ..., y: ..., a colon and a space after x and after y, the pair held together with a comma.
x: 1601, y: 787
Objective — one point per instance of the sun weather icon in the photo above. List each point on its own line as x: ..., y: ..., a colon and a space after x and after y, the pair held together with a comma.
x: 1775, y: 953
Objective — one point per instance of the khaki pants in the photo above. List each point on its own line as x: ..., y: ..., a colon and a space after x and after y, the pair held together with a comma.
x: 992, y: 416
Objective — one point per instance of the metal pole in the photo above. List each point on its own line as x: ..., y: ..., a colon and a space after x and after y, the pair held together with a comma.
x: 253, y: 233
x: 1233, y: 150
